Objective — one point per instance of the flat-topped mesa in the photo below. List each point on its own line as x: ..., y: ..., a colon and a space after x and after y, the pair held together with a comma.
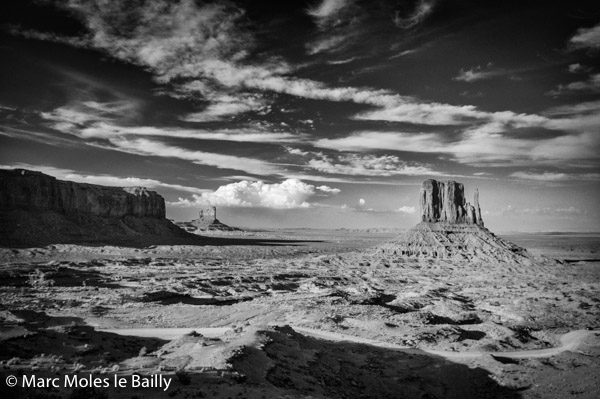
x: 34, y: 191
x: 445, y: 202
x: 37, y: 210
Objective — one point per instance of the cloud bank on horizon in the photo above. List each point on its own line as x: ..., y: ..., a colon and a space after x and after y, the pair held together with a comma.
x: 302, y: 105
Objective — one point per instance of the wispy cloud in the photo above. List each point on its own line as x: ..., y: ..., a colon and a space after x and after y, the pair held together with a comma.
x: 578, y: 68
x: 421, y: 11
x: 327, y: 10
x: 92, y: 125
x: 592, y: 84
x: 103, y: 179
x: 367, y: 165
x: 587, y: 38
x: 478, y: 73
x: 555, y: 177
x: 289, y: 194
x: 543, y: 211
x: 146, y: 147
x: 203, y: 50
x: 575, y: 110
x: 485, y: 145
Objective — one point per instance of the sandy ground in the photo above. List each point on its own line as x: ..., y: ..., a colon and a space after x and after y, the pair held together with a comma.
x: 308, y: 314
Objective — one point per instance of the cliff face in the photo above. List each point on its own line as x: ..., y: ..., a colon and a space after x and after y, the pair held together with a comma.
x: 37, y: 209
x: 445, y: 202
x: 452, y: 229
x: 28, y: 190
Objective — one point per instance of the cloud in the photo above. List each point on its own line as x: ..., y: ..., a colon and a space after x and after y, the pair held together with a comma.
x: 145, y: 147
x: 367, y: 165
x: 224, y: 106
x: 103, y: 180
x: 484, y: 145
x: 554, y: 177
x: 421, y: 11
x: 329, y: 43
x: 97, y: 122
x: 543, y: 211
x: 579, y: 109
x: 423, y: 113
x: 361, y: 202
x: 289, y: 194
x: 477, y: 73
x: 587, y: 38
x: 578, y: 68
x: 199, y: 50
x: 592, y: 84
x: 406, y: 209
x: 205, y: 51
x: 327, y: 9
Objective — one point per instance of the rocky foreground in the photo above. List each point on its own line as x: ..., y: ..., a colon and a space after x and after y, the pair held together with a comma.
x: 311, y: 318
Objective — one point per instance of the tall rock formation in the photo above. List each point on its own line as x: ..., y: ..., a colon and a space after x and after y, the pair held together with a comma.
x: 452, y: 229
x: 207, y: 221
x: 445, y: 202
x: 37, y: 209
x: 206, y: 217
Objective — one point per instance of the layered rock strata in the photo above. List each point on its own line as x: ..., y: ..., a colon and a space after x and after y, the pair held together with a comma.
x: 452, y: 229
x: 37, y: 209
x: 35, y: 191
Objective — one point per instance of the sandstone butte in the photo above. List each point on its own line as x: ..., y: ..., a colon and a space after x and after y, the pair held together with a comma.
x: 37, y: 209
x: 207, y: 221
x: 452, y: 229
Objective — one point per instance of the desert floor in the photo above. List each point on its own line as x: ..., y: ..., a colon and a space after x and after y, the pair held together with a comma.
x: 303, y: 314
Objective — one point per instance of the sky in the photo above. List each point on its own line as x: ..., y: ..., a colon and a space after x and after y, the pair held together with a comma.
x: 313, y: 113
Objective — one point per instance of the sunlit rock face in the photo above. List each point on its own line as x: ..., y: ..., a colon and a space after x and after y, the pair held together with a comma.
x: 29, y: 190
x: 445, y: 202
x: 451, y: 229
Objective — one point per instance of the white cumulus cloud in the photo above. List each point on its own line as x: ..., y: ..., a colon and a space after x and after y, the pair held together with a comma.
x: 407, y: 209
x: 289, y: 194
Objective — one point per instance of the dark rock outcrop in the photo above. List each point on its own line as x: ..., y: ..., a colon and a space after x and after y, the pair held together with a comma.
x: 452, y: 229
x: 37, y: 209
x: 207, y: 221
x: 445, y: 202
x: 35, y: 191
